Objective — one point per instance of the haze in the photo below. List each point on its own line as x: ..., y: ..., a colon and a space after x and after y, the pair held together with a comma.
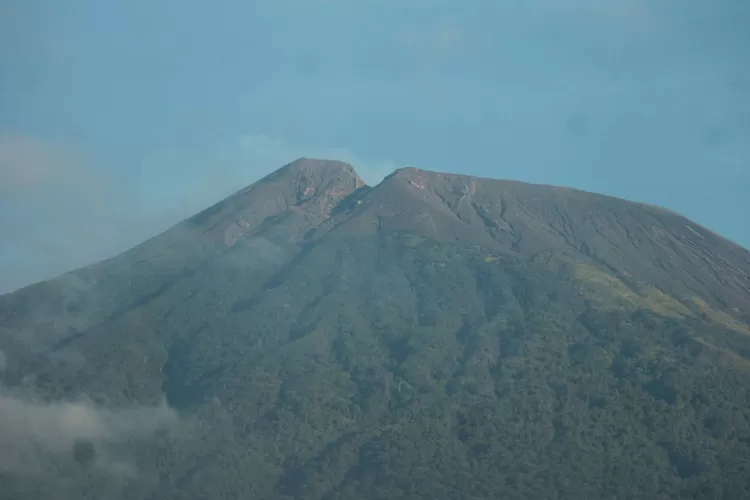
x: 117, y: 119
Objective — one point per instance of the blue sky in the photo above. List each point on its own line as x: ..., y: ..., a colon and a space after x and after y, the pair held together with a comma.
x: 118, y: 119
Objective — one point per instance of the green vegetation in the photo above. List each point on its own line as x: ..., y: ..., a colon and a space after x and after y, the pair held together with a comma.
x: 434, y: 337
x: 383, y: 368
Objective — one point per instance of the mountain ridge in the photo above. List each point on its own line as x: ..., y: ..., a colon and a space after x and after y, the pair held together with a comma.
x: 406, y: 171
x: 435, y: 335
x: 301, y: 202
x: 409, y: 173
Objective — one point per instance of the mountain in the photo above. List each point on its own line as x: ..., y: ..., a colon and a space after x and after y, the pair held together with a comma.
x: 435, y: 336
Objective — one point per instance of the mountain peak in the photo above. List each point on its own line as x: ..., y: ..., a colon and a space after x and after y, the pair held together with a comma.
x: 317, y: 166
x: 308, y: 188
x: 326, y: 339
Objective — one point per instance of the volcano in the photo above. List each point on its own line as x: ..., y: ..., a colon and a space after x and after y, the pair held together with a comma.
x: 435, y: 336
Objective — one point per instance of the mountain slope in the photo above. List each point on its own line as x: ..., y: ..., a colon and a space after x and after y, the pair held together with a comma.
x: 435, y: 336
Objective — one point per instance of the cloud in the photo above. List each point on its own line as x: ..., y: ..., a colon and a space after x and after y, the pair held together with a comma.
x: 66, y: 211
x: 26, y: 163
x: 56, y: 426
x: 33, y: 432
x: 32, y: 166
x: 176, y: 184
x: 60, y: 210
x: 185, y: 181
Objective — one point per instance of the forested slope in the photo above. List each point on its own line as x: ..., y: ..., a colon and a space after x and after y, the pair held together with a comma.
x: 435, y: 336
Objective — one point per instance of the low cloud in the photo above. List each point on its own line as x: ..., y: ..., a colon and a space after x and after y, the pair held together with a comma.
x: 33, y: 432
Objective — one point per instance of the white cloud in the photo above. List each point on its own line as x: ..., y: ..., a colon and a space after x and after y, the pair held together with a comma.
x: 32, y: 432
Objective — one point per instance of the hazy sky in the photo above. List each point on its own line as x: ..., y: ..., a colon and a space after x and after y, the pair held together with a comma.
x: 118, y: 118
